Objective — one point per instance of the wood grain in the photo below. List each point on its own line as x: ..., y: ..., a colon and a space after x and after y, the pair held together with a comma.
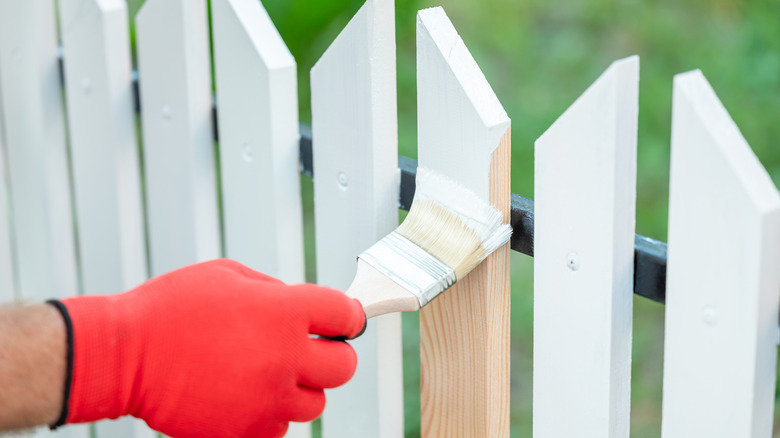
x: 464, y: 339
x: 463, y: 132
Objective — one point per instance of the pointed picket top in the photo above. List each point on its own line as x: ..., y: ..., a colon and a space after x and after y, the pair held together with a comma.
x: 722, y: 277
x: 463, y: 132
x: 453, y: 80
x: 258, y: 140
x: 354, y: 127
x: 585, y: 193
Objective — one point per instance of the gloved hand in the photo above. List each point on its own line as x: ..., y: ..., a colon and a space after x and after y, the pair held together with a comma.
x: 210, y: 350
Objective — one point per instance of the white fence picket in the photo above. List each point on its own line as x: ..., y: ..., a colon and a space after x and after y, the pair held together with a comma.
x: 585, y: 193
x: 464, y: 133
x: 104, y: 156
x: 36, y: 148
x: 37, y: 158
x: 7, y: 286
x: 179, y: 157
x: 258, y: 139
x: 722, y: 275
x: 356, y: 185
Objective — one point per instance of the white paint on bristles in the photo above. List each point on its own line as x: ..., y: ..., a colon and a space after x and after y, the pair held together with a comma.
x: 176, y: 113
x: 474, y: 213
x: 258, y: 140
x: 356, y: 184
x: 585, y: 192
x: 722, y: 293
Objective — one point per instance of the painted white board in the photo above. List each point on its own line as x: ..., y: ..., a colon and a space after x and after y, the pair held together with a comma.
x: 356, y: 186
x: 258, y: 140
x: 36, y: 150
x: 464, y: 133
x: 7, y: 286
x: 722, y: 275
x: 179, y: 156
x: 585, y: 193
x: 104, y: 157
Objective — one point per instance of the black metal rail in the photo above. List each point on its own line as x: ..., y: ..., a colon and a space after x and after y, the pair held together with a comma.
x: 649, y: 254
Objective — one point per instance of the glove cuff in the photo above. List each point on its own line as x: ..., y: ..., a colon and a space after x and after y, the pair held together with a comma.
x: 101, y: 379
x: 68, y: 361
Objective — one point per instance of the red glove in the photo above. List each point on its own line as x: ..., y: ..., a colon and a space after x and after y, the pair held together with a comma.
x: 210, y: 350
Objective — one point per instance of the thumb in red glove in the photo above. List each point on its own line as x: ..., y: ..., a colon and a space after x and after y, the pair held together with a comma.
x: 210, y: 350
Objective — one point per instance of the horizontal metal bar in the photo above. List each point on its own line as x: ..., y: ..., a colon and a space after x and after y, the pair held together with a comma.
x: 649, y: 254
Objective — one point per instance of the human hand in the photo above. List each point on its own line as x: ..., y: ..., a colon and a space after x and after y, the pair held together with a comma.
x: 214, y: 349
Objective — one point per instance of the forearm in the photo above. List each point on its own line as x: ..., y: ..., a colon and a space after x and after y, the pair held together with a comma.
x: 32, y: 365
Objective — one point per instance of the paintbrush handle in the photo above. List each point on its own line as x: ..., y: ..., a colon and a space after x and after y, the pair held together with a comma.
x: 379, y: 294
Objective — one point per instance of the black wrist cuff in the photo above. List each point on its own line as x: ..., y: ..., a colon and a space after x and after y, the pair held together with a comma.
x: 69, y: 367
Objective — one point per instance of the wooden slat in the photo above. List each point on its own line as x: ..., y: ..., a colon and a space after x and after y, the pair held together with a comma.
x: 722, y: 293
x: 104, y: 156
x: 36, y: 147
x: 179, y: 157
x: 37, y: 158
x: 356, y: 203
x: 463, y: 132
x: 258, y: 132
x: 585, y: 194
x: 7, y: 286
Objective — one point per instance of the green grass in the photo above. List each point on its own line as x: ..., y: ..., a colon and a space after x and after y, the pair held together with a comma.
x: 539, y: 56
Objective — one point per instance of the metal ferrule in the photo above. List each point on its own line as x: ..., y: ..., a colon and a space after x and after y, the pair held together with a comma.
x: 410, y: 266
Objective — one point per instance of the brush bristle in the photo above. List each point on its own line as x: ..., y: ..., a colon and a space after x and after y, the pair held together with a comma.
x: 452, y: 223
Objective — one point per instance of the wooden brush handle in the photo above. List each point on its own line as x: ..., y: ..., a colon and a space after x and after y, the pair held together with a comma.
x: 379, y: 294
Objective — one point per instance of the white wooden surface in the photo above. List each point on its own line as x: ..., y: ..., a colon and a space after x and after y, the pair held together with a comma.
x: 179, y: 157
x: 104, y: 156
x: 585, y: 193
x: 7, y: 287
x: 356, y: 185
x: 722, y: 275
x: 463, y: 132
x: 258, y: 133
x: 36, y: 146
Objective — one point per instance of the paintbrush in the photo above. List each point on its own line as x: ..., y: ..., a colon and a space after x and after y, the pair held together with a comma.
x: 448, y: 232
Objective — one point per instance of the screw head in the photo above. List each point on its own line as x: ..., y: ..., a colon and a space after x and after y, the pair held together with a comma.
x: 573, y: 261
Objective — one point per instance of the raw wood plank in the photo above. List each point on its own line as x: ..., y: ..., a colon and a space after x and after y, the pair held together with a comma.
x: 585, y: 195
x: 258, y: 131
x: 722, y: 292
x: 179, y: 156
x: 463, y: 132
x: 356, y: 203
x: 104, y: 156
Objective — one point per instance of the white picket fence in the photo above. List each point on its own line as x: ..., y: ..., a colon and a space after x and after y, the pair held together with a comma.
x: 73, y: 217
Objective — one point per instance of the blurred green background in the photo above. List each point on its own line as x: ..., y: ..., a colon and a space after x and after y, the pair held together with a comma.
x: 539, y: 56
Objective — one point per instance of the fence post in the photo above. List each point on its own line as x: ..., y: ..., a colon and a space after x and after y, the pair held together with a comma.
x: 356, y: 185
x: 463, y: 132
x: 104, y: 156
x: 178, y: 140
x: 7, y: 285
x: 722, y: 275
x: 585, y: 195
